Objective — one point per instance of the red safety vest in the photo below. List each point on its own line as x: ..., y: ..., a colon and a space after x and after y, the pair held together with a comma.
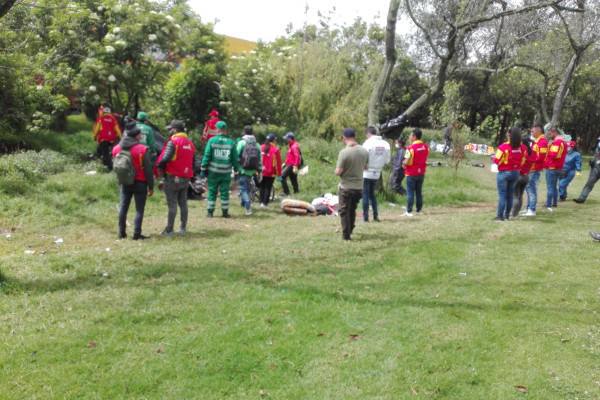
x: 418, y: 159
x: 138, y: 152
x: 182, y: 163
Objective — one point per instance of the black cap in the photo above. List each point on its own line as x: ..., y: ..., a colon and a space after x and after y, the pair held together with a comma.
x: 177, y: 125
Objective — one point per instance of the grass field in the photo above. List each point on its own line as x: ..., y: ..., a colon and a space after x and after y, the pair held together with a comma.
x: 449, y: 305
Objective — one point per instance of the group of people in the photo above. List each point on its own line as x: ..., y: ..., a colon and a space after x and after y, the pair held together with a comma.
x: 359, y: 168
x: 175, y: 165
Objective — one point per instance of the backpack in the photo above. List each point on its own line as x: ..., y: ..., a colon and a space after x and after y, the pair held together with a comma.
x: 124, y: 168
x: 250, y: 157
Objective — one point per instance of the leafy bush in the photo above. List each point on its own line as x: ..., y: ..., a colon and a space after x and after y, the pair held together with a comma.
x: 22, y: 169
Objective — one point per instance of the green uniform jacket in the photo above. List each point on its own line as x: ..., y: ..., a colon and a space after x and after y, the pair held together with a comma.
x: 240, y: 147
x: 147, y: 138
x: 220, y: 155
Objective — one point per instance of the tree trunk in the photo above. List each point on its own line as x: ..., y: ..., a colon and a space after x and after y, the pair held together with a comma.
x: 388, y: 66
x: 563, y: 88
x: 5, y: 6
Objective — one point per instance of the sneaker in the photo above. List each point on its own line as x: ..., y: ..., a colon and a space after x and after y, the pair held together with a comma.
x: 550, y: 209
x: 579, y: 201
x: 248, y: 212
x: 497, y: 219
x: 165, y: 233
x: 419, y: 213
x: 122, y: 235
x: 262, y: 205
x: 226, y: 215
x: 139, y: 236
x: 376, y: 219
x: 407, y: 214
x: 595, y: 235
x: 562, y: 198
x: 529, y: 213
x: 181, y: 231
x: 209, y: 214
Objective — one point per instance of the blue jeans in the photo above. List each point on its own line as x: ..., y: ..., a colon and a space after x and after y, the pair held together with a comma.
x: 564, y: 182
x: 414, y: 186
x: 368, y: 194
x: 531, y: 189
x: 244, y: 186
x: 506, y: 182
x: 552, y: 187
x: 139, y: 192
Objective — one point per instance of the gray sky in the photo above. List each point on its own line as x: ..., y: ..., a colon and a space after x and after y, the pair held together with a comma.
x: 267, y: 19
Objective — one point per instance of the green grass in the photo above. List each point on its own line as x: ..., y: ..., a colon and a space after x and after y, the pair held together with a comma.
x: 449, y: 305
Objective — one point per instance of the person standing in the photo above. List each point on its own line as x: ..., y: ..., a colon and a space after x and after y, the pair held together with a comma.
x: 176, y: 164
x: 415, y: 164
x: 210, y: 128
x: 106, y: 131
x: 397, y: 175
x: 510, y: 156
x: 147, y: 134
x: 292, y: 163
x: 447, y: 140
x: 557, y: 152
x: 524, y: 172
x: 540, y: 149
x: 352, y: 161
x: 379, y: 156
x: 271, y: 168
x: 219, y: 158
x: 593, y: 178
x: 253, y: 166
x: 142, y: 186
x: 571, y: 169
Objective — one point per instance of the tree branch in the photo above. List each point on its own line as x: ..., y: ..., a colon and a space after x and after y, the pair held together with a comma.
x: 422, y: 28
x: 470, y: 24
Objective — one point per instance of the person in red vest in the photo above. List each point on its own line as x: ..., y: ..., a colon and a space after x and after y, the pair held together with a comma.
x: 557, y: 152
x: 415, y: 163
x: 176, y: 164
x: 509, y: 157
x: 106, y: 131
x: 210, y: 129
x: 143, y: 185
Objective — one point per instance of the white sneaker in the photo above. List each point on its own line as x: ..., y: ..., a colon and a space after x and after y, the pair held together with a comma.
x: 407, y: 214
x: 248, y: 212
x: 529, y: 213
x: 550, y: 209
x: 262, y: 205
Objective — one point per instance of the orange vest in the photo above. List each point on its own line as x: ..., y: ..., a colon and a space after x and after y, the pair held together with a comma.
x: 417, y: 162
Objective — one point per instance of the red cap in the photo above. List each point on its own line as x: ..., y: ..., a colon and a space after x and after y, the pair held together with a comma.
x: 214, y: 113
x: 571, y: 144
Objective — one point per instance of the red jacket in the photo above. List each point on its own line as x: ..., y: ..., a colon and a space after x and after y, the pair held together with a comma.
x: 182, y: 162
x: 106, y: 129
x: 210, y: 129
x: 540, y: 148
x: 271, y: 161
x: 293, y: 155
x: 557, y: 152
x: 417, y: 159
x: 528, y: 164
x: 138, y: 152
x: 509, y: 159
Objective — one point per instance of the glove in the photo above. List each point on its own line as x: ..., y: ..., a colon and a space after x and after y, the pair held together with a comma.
x: 578, y: 174
x: 202, y: 174
x: 295, y: 170
x: 279, y: 179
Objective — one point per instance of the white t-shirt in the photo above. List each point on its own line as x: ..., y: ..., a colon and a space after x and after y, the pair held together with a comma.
x: 379, y: 155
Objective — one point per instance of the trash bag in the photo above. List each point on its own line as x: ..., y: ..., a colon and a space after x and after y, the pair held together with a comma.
x: 392, y: 129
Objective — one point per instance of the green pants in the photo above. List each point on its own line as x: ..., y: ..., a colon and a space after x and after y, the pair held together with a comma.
x: 218, y: 183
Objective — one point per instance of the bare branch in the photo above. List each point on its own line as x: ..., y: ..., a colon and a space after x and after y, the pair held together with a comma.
x: 423, y: 29
x: 470, y: 24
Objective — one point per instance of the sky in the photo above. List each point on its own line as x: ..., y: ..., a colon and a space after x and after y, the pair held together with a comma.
x: 267, y: 19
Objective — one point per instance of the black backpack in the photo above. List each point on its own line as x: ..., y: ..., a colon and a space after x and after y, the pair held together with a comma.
x: 250, y: 157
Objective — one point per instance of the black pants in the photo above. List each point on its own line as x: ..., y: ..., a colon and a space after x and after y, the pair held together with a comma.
x: 105, y: 152
x: 518, y: 194
x: 348, y: 201
x: 589, y: 185
x: 266, y: 187
x: 289, y: 171
x: 138, y: 191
